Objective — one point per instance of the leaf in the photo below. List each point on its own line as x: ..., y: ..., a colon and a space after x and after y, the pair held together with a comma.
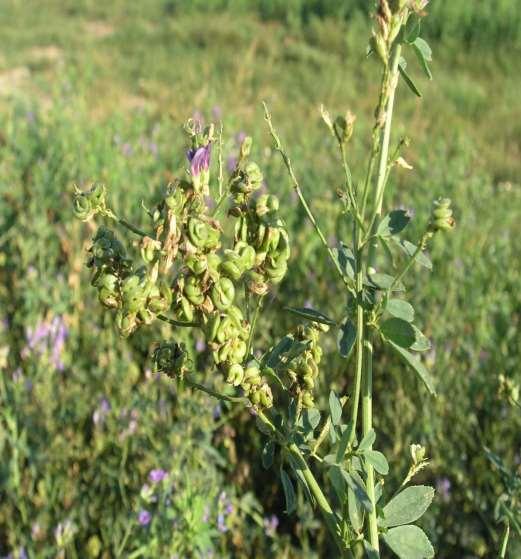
x: 335, y: 408
x: 409, y: 542
x: 346, y: 260
x: 412, y: 29
x: 346, y: 337
x: 398, y: 331
x: 421, y: 342
x: 393, y: 223
x: 342, y: 445
x: 423, y: 46
x: 367, y: 441
x: 384, y: 282
x: 407, y: 79
x: 268, y: 452
x: 311, y: 418
x: 272, y: 357
x: 289, y: 492
x: 400, y: 309
x: 422, y: 61
x: 296, y: 466
x: 355, y: 512
x: 407, y: 506
x: 370, y: 551
x: 410, y: 248
x: 311, y: 314
x: 355, y: 482
x: 378, y: 461
x: 338, y: 482
x: 418, y: 366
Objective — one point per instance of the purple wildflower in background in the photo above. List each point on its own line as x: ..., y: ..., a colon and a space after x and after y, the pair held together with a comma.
x: 231, y: 163
x: 48, y: 337
x: 101, y: 412
x: 127, y: 150
x: 217, y: 112
x: 200, y: 346
x: 271, y: 524
x: 443, y: 487
x: 217, y: 411
x: 199, y: 159
x: 221, y: 524
x: 157, y: 475
x: 239, y: 137
x: 144, y: 517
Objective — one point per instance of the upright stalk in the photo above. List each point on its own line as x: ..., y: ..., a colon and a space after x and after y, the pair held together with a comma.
x: 389, y: 88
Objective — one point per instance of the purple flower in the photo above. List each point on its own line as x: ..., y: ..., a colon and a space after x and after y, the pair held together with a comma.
x: 217, y: 112
x: 157, y: 475
x: 221, y: 524
x: 199, y: 159
x: 231, y: 163
x: 101, y: 412
x: 144, y: 517
x: 239, y: 137
x: 200, y: 346
x: 270, y: 525
x: 443, y: 487
x: 217, y: 411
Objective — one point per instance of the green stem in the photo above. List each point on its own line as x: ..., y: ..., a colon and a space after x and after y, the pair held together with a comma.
x: 322, y: 502
x: 235, y: 399
x: 504, y: 541
x: 367, y: 425
x: 180, y: 323
x: 305, y: 205
x: 131, y: 227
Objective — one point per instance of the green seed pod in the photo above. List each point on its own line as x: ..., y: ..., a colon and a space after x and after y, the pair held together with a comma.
x: 266, y: 397
x: 108, y: 298
x: 235, y: 314
x: 228, y: 329
x: 307, y: 400
x: 193, y: 290
x: 235, y: 374
x: 186, y: 311
x: 126, y: 323
x: 223, y: 353
x: 83, y: 207
x: 108, y: 282
x: 171, y: 358
x: 97, y: 195
x: 247, y: 255
x: 201, y: 234
x: 175, y: 198
x: 231, y: 266
x: 252, y: 375
x: 267, y: 203
x: 441, y: 217
x: 212, y: 326
x: 197, y: 264
x: 271, y: 239
x: 255, y: 397
x: 237, y: 351
x: 223, y: 293
x: 133, y: 293
x: 256, y: 284
x: 241, y: 229
x: 309, y: 382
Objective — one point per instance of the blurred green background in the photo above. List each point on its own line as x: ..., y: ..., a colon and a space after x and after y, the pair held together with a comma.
x: 98, y: 91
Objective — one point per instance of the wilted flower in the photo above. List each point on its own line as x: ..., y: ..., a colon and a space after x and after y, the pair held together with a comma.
x: 144, y: 517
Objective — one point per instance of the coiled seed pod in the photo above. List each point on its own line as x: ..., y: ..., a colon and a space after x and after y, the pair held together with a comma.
x: 83, y: 207
x: 171, y: 358
x: 193, y: 290
x: 223, y: 293
x: 441, y: 217
x: 134, y: 294
x: 197, y: 264
x: 235, y: 374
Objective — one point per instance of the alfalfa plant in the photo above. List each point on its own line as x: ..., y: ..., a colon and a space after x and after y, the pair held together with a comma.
x: 191, y: 276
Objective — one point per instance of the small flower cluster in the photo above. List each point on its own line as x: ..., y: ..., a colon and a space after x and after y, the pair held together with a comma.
x: 48, y: 337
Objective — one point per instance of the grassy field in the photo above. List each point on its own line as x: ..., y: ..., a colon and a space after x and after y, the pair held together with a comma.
x: 97, y: 91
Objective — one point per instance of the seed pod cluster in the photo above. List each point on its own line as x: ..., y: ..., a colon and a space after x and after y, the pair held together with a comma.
x: 171, y: 358
x: 303, y: 371
x: 88, y: 204
x: 187, y: 271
